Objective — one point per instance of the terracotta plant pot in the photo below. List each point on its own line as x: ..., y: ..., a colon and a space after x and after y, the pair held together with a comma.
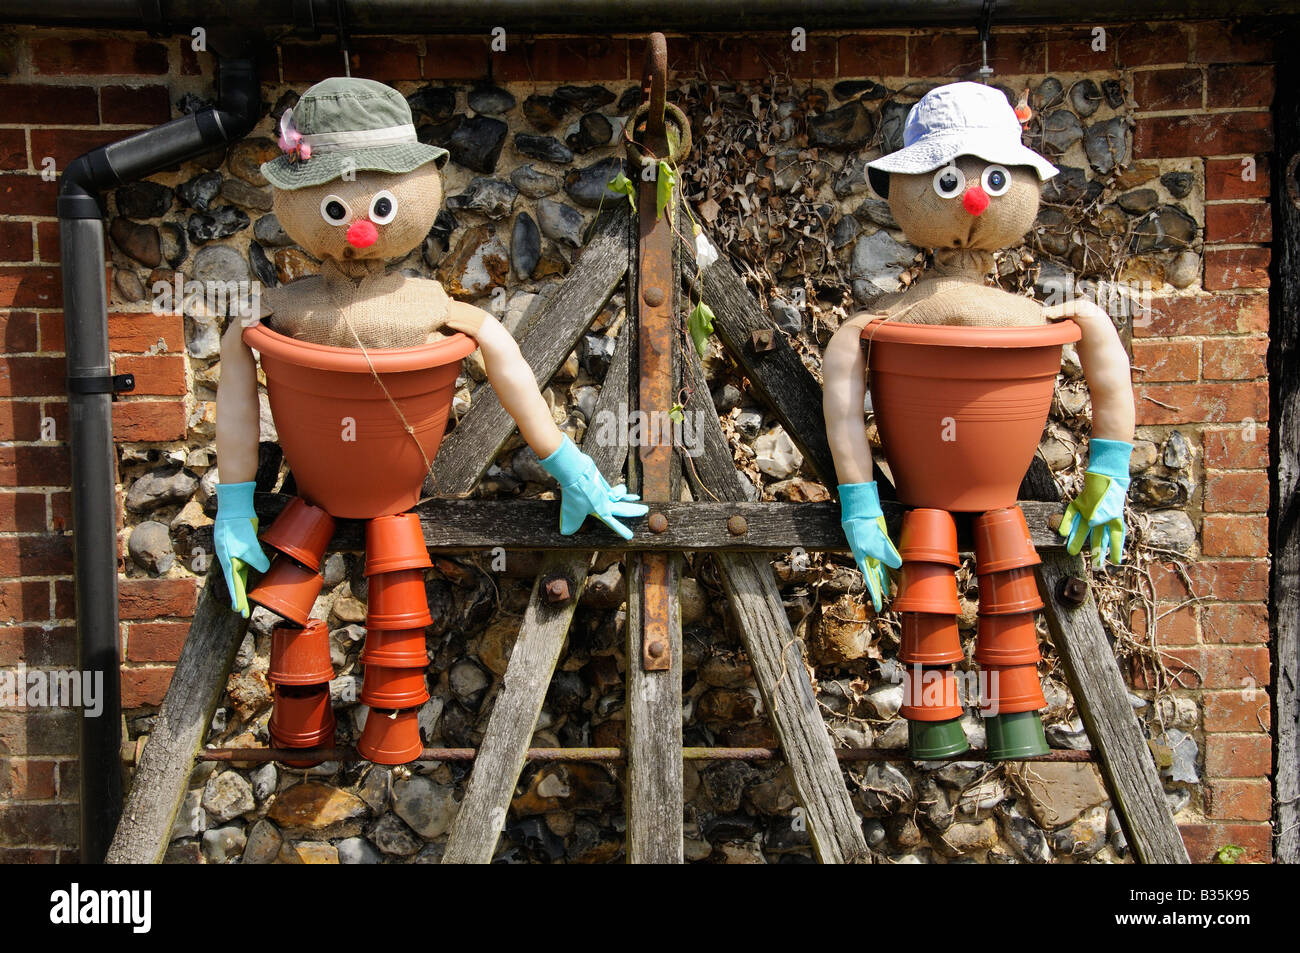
x: 1011, y: 688
x: 300, y: 655
x: 930, y: 639
x: 1002, y: 541
x: 301, y: 532
x: 395, y: 542
x: 385, y: 687
x: 395, y: 648
x: 391, y: 737
x: 1009, y: 592
x: 302, y: 717
x: 288, y: 589
x: 928, y: 536
x: 1007, y: 640
x: 961, y: 409
x: 344, y: 439
x: 927, y: 587
x: 930, y: 695
x: 397, y: 600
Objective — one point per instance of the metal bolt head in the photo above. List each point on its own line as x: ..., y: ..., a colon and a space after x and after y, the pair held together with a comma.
x: 653, y: 296
x: 657, y: 522
x: 762, y: 339
x: 737, y: 526
x: 1074, y: 591
x: 557, y: 590
x: 656, y: 649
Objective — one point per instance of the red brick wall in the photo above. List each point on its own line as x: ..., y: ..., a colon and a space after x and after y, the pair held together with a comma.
x: 1202, y: 91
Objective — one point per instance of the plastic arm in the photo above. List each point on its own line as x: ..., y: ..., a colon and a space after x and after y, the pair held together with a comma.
x: 1105, y: 367
x: 237, y: 411
x: 844, y: 392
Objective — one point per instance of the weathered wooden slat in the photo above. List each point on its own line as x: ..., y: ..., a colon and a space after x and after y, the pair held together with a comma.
x: 653, y: 706
x: 163, y: 774
x: 778, y: 374
x: 775, y: 657
x: 480, y: 525
x: 537, y: 648
x: 1103, y: 704
x: 478, y: 436
x: 1284, y: 439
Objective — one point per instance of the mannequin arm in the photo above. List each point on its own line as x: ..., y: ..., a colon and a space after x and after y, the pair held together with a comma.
x: 1105, y: 367
x: 844, y: 390
x: 514, y: 383
x: 237, y: 411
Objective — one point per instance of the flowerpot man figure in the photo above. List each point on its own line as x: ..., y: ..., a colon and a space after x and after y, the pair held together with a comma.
x: 356, y: 189
x: 961, y: 394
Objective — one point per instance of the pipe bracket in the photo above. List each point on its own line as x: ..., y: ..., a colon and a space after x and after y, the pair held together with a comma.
x: 104, y: 384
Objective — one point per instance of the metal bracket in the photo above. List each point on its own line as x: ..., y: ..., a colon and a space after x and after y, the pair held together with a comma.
x: 106, y: 384
x: 986, y: 27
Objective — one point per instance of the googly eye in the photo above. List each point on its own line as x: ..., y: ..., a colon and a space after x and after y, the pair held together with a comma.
x: 334, y: 210
x: 383, y: 207
x: 996, y: 179
x: 949, y: 182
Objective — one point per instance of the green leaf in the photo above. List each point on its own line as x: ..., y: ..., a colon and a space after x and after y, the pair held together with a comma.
x: 700, y: 325
x: 623, y: 186
x: 675, y: 413
x: 1228, y: 853
x: 665, y: 182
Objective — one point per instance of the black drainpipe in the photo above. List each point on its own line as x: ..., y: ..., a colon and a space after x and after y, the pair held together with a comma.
x: 91, y: 386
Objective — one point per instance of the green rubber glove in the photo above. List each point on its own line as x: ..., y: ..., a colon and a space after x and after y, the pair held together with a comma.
x: 864, y: 527
x: 1098, y: 512
x: 584, y: 491
x: 234, y: 534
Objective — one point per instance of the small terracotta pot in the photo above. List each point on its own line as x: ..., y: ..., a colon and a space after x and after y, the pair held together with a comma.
x: 394, y: 543
x: 391, y: 737
x: 301, y: 532
x: 395, y: 648
x: 930, y: 639
x: 288, y: 589
x: 342, y: 415
x: 930, y: 695
x: 961, y: 409
x: 1010, y: 689
x: 1002, y: 541
x: 1007, y: 640
x: 385, y: 687
x: 928, y: 536
x: 927, y: 587
x: 1009, y: 592
x: 300, y: 656
x: 397, y: 600
x: 301, y: 716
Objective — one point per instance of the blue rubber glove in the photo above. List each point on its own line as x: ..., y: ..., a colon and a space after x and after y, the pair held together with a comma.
x: 1098, y: 512
x: 235, y: 537
x: 584, y: 491
x: 868, y: 536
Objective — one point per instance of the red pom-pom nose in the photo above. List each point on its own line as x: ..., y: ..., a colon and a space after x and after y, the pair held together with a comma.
x: 975, y: 201
x: 362, y: 233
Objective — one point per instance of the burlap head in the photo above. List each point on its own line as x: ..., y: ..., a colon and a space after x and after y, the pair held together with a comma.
x: 931, y: 221
x: 418, y: 196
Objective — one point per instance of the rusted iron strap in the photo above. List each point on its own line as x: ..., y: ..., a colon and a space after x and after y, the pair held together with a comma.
x: 657, y: 289
x: 608, y: 755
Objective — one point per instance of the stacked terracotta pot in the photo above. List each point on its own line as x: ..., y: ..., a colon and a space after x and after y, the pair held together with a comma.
x: 927, y: 600
x: 300, y: 670
x: 394, y: 656
x: 1007, y: 644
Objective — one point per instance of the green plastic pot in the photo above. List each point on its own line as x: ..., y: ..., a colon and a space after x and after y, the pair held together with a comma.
x: 928, y: 740
x: 1016, y: 735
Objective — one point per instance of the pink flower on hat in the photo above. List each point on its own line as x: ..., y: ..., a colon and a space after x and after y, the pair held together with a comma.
x: 292, y: 143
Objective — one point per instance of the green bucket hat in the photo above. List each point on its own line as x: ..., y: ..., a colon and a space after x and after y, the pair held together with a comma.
x: 344, y: 125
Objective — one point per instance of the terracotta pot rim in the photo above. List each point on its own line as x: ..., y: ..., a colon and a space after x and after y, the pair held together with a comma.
x: 349, y: 360
x: 945, y: 335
